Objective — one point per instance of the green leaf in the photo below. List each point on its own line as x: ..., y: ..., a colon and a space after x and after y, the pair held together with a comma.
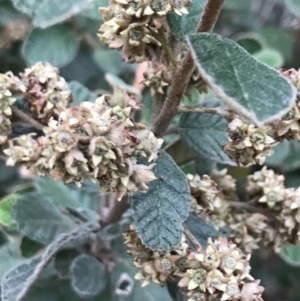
x: 229, y: 70
x: 109, y: 61
x: 10, y: 256
x: 39, y: 219
x: 92, y: 11
x: 277, y: 38
x: 269, y: 56
x: 202, y: 229
x: 251, y: 42
x: 18, y: 281
x: 46, y: 13
x: 180, y: 152
x: 113, y: 80
x: 237, y: 4
x: 281, y: 152
x: 293, y: 6
x: 80, y: 93
x: 29, y: 247
x: 63, y: 261
x: 159, y: 213
x: 57, y: 191
x: 186, y: 24
x: 88, y: 276
x: 291, y: 255
x: 205, y: 134
x: 57, y: 45
x: 15, y: 280
x: 6, y: 205
x: 292, y: 161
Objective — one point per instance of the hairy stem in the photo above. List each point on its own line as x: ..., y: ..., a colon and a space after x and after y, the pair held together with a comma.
x: 183, y: 74
x: 27, y: 118
x: 191, y: 237
x: 116, y: 212
x: 218, y: 111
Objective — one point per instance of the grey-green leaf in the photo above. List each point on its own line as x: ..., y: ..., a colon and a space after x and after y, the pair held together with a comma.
x: 80, y: 93
x: 205, y: 134
x: 39, y: 219
x: 291, y: 255
x: 88, y: 276
x: 243, y: 83
x: 15, y: 280
x: 18, y: 281
x: 294, y: 6
x: 186, y: 24
x: 46, y: 13
x: 57, y: 45
x: 159, y: 213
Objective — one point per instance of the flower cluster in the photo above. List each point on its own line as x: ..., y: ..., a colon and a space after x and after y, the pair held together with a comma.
x: 208, y: 201
x: 249, y: 144
x: 270, y: 217
x: 138, y: 27
x: 46, y: 93
x: 218, y: 271
x: 97, y: 141
x: 157, y: 78
x: 155, y: 266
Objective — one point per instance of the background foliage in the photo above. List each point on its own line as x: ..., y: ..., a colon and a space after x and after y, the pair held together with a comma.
x: 64, y: 34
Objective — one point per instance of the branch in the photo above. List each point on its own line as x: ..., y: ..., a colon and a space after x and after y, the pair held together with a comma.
x: 249, y: 207
x: 183, y: 74
x: 218, y: 111
x: 116, y: 212
x: 27, y: 118
x: 191, y: 237
x: 172, y: 130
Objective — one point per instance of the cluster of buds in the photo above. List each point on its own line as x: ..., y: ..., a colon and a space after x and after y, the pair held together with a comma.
x: 289, y: 125
x: 97, y: 141
x: 270, y: 217
x: 46, y: 92
x: 157, y: 78
x: 277, y: 222
x: 8, y: 83
x: 218, y: 272
x: 155, y: 266
x: 249, y: 144
x: 208, y: 201
x: 138, y: 27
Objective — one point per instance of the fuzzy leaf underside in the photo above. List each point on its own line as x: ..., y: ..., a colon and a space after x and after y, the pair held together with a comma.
x: 246, y: 85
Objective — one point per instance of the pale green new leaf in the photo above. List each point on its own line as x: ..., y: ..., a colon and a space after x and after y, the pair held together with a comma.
x: 46, y: 13
x: 269, y: 56
x: 246, y: 85
x: 57, y: 45
x: 159, y: 212
x: 38, y: 218
x: 186, y: 24
x: 6, y: 205
x: 88, y: 276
